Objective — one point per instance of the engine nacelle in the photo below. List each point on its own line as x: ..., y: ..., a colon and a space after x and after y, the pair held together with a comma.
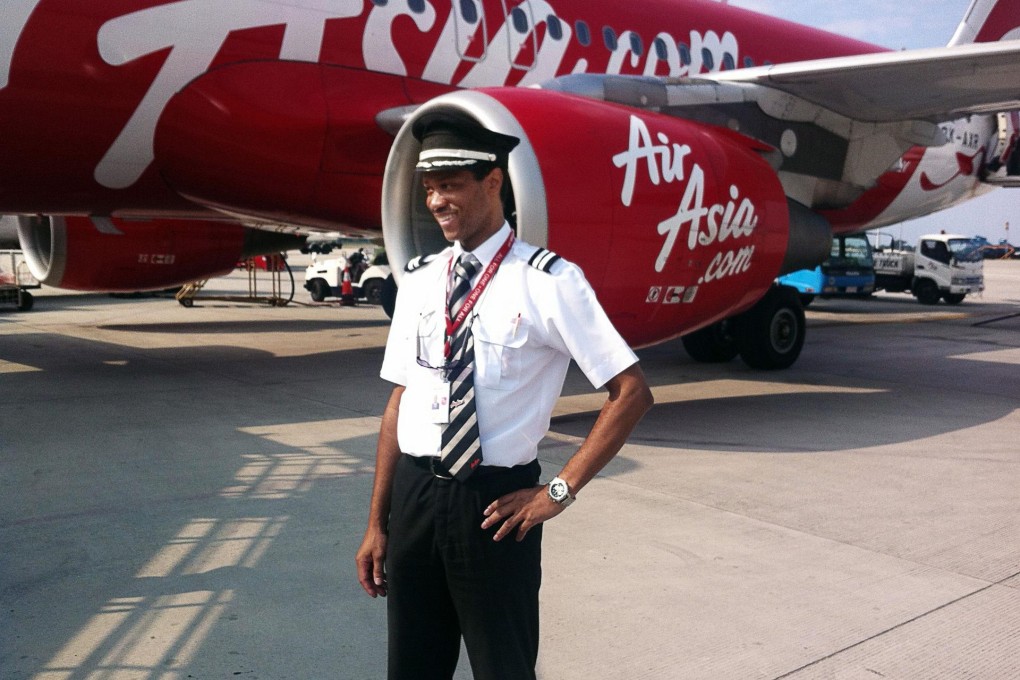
x: 675, y: 224
x: 114, y: 255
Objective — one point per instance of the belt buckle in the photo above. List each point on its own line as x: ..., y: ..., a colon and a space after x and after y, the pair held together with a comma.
x: 440, y: 473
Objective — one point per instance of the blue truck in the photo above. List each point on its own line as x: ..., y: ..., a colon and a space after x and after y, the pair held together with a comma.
x: 850, y: 270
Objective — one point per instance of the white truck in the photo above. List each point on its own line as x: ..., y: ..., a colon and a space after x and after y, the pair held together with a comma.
x: 942, y: 266
x: 325, y: 279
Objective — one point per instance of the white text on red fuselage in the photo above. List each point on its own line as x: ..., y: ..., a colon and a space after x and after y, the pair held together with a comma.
x: 668, y: 162
x: 194, y: 32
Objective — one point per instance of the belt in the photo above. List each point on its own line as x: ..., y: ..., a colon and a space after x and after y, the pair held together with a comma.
x: 431, y: 465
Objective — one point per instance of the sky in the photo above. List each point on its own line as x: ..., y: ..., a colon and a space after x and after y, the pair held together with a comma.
x: 906, y: 25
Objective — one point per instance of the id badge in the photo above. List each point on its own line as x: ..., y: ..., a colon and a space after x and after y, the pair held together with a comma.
x: 440, y: 402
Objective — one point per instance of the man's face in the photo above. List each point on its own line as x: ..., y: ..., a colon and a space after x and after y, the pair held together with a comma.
x: 467, y: 210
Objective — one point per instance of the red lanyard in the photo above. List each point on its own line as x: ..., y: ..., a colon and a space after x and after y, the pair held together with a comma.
x: 453, y: 324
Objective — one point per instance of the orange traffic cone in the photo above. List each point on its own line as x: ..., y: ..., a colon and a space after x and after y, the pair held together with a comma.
x: 347, y: 290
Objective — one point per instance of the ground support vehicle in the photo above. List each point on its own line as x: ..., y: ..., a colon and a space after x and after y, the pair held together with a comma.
x: 324, y: 279
x: 849, y: 271
x: 15, y: 280
x: 942, y: 266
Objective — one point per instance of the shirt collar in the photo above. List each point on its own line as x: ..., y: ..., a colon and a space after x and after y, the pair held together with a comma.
x: 487, y: 251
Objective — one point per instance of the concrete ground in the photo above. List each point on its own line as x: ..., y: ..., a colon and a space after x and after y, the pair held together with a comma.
x: 182, y: 492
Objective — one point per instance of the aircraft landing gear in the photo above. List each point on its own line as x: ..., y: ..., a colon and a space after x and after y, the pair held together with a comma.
x: 768, y: 336
x: 772, y: 332
x: 715, y: 344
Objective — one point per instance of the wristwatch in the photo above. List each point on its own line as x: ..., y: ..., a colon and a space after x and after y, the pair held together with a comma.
x: 559, y: 492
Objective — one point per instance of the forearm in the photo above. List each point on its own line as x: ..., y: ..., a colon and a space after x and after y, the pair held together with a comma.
x: 386, y: 456
x: 629, y: 399
x: 371, y: 556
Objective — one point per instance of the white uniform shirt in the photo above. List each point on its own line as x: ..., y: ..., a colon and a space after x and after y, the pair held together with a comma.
x: 527, y: 326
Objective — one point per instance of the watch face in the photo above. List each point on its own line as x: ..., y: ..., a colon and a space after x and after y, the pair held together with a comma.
x: 558, y: 490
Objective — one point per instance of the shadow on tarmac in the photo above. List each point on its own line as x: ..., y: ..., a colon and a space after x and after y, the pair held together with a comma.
x: 234, y: 327
x: 154, y: 516
x: 194, y: 511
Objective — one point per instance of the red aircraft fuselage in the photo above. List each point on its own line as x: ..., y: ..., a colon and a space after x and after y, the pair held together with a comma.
x: 282, y: 98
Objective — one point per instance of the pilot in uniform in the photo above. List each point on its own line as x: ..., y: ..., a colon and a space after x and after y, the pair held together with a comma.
x: 448, y: 573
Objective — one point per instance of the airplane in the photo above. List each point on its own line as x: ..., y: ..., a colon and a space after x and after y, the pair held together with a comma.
x: 684, y: 153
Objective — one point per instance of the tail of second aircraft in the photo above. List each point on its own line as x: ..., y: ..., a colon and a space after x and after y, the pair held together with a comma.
x: 989, y: 21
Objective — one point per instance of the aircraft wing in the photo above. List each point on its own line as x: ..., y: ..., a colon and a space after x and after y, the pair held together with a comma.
x: 836, y: 124
x: 936, y: 84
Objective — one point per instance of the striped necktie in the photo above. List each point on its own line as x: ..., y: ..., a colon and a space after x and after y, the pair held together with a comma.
x: 461, y: 449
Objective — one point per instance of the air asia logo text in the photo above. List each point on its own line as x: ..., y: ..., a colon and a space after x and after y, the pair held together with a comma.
x: 194, y: 32
x: 706, y: 225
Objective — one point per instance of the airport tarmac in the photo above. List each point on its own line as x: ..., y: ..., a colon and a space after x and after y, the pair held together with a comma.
x: 182, y: 491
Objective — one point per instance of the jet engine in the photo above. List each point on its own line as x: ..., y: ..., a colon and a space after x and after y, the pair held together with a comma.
x: 677, y: 225
x: 115, y: 255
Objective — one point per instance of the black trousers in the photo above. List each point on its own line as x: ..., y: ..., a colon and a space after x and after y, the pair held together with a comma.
x: 447, y: 578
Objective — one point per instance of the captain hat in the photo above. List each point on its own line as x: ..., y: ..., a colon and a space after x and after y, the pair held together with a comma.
x: 455, y: 142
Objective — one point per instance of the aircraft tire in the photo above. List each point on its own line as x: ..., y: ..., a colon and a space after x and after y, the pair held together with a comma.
x: 771, y: 333
x: 713, y: 344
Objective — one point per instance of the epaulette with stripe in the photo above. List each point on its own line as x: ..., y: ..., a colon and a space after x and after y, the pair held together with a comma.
x: 544, y: 260
x: 419, y: 262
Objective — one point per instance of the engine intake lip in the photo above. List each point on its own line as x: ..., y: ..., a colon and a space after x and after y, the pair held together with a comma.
x: 408, y: 228
x: 44, y: 243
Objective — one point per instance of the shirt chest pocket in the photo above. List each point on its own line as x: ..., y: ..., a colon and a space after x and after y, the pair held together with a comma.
x: 498, y: 353
x: 429, y: 339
